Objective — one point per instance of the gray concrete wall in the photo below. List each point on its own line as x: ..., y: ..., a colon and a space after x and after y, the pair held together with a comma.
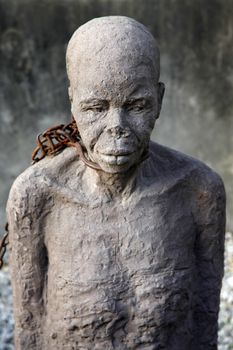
x: 195, y: 38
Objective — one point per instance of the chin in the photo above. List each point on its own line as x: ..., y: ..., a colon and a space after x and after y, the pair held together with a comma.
x: 115, y: 169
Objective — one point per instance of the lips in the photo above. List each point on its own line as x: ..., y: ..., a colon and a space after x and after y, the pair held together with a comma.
x: 116, y: 157
x: 116, y: 152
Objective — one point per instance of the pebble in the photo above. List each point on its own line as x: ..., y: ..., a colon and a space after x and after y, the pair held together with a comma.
x: 225, y: 315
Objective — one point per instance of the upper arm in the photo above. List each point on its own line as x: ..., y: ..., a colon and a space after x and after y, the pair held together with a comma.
x: 209, y: 252
x: 28, y: 257
x: 210, y: 221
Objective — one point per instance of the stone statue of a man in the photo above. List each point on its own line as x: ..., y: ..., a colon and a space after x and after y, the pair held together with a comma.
x: 129, y: 256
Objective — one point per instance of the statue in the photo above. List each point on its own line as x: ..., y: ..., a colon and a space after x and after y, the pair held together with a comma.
x: 126, y: 253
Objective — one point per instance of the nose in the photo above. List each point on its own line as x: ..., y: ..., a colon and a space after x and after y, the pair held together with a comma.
x: 117, y: 124
x: 118, y: 131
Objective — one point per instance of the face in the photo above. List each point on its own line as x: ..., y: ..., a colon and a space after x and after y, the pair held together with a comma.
x: 115, y: 108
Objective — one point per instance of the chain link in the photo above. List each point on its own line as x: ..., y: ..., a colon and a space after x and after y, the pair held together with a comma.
x: 55, y: 139
x: 3, y: 244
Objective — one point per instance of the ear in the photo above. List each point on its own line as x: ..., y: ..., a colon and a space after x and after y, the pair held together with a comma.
x: 161, y: 90
x: 70, y: 93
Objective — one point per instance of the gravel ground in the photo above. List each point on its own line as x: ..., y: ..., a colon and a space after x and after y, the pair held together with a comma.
x: 225, y: 317
x: 226, y: 307
x: 6, y: 317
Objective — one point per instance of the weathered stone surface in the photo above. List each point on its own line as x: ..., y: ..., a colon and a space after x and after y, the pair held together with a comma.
x: 131, y: 256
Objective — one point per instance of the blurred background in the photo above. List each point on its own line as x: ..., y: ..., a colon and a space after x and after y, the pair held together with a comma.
x: 196, y: 43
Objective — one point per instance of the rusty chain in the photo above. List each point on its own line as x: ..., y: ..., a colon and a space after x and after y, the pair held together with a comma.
x: 51, y: 142
x: 55, y: 139
x: 3, y: 244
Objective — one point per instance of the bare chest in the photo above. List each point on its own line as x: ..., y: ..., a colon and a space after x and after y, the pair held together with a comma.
x: 117, y: 266
x: 98, y: 243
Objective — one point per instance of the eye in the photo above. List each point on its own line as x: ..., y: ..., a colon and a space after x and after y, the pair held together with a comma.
x: 97, y: 108
x: 136, y: 106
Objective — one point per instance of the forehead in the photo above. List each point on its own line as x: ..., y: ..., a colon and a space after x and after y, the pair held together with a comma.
x: 113, y: 80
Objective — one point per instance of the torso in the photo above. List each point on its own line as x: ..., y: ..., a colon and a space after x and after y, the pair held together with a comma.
x: 120, y: 273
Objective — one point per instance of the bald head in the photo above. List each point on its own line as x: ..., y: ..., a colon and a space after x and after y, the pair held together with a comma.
x: 113, y: 68
x: 110, y: 42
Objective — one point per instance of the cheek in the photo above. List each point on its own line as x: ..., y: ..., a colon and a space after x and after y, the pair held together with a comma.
x: 74, y: 109
x: 89, y: 133
x: 143, y: 127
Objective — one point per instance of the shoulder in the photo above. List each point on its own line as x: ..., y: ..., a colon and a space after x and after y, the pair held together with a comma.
x: 36, y: 181
x: 188, y: 170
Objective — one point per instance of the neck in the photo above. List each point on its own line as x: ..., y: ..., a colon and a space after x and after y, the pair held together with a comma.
x: 111, y: 184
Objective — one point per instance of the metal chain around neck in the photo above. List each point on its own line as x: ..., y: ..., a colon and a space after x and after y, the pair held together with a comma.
x: 55, y: 139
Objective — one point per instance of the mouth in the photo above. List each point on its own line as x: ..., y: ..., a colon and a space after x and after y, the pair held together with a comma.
x: 116, y: 157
